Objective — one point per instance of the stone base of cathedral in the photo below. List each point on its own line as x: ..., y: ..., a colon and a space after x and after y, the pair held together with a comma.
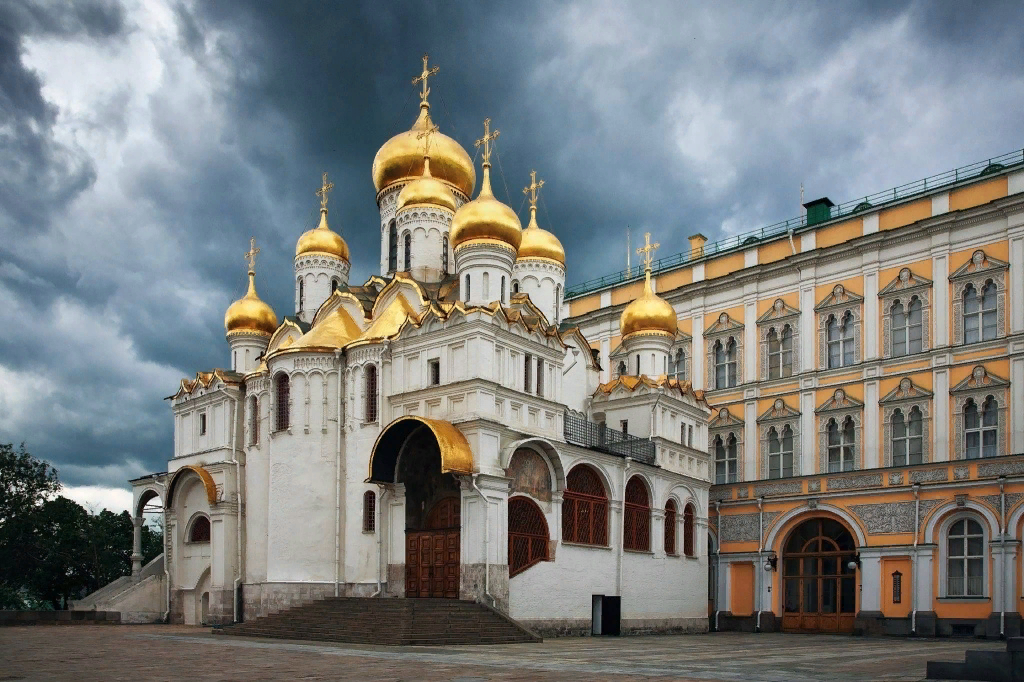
x: 185, y: 609
x: 582, y: 627
x: 471, y: 579
x: 261, y: 599
x: 727, y: 622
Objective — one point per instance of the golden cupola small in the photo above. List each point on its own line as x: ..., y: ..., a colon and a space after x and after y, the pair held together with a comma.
x: 539, y: 269
x: 426, y: 191
x: 321, y: 262
x: 648, y: 325
x: 249, y: 321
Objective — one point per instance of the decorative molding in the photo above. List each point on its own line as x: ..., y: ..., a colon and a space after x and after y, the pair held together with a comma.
x: 723, y: 424
x: 961, y: 473
x: 905, y: 397
x: 778, y: 416
x: 778, y: 317
x: 978, y: 386
x: 977, y: 272
x: 770, y: 489
x: 722, y: 330
x: 853, y: 482
x: 838, y: 303
x: 891, y: 517
x: 929, y: 475
x: 743, y: 527
x: 903, y: 288
x: 1000, y: 469
x: 814, y: 486
x: 896, y: 478
x: 839, y: 407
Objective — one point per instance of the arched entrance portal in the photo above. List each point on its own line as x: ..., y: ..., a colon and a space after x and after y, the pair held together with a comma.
x: 819, y: 589
x: 425, y: 456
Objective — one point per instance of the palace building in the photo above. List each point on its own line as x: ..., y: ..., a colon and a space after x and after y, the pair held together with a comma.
x: 431, y: 433
x: 864, y: 365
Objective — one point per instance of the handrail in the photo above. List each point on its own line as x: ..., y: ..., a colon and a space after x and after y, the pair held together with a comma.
x: 871, y: 201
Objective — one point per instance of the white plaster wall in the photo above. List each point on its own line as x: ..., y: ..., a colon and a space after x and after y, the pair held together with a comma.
x: 192, y: 559
x: 317, y: 271
x: 544, y: 282
x: 427, y: 227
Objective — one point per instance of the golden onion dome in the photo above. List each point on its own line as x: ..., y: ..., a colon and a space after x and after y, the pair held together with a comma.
x: 426, y: 190
x: 401, y: 158
x: 322, y: 239
x: 250, y: 313
x: 649, y: 314
x: 539, y: 243
x: 486, y: 219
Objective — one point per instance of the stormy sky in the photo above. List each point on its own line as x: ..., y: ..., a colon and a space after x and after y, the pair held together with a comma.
x: 142, y: 142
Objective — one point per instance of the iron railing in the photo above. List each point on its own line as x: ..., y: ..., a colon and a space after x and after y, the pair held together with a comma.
x: 599, y: 437
x: 993, y: 165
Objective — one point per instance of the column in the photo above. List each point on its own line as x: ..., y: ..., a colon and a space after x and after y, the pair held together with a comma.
x: 940, y: 308
x: 872, y: 429
x: 137, y: 522
x: 870, y: 581
x: 940, y: 414
x: 808, y: 463
x: 697, y: 351
x: 808, y: 359
x: 750, y: 340
x: 871, y: 321
x: 1016, y: 302
x: 751, y: 472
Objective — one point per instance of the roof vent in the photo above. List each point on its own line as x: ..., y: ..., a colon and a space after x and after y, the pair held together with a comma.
x: 819, y: 210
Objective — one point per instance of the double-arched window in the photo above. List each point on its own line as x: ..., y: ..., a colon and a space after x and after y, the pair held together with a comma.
x: 679, y: 365
x: 780, y: 352
x: 527, y: 535
x: 907, y: 327
x: 282, y: 394
x: 840, y: 340
x: 907, y: 437
x: 637, y: 523
x: 726, y: 462
x: 981, y: 428
x: 780, y: 452
x: 841, y: 445
x: 585, y: 508
x: 725, y: 363
x: 670, y: 527
x: 370, y: 395
x: 980, y: 315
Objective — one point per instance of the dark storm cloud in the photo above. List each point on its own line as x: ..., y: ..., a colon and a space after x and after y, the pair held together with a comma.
x: 125, y: 205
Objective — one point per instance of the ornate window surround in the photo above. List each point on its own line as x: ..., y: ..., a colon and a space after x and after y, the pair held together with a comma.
x: 839, y: 407
x: 777, y: 317
x: 903, y: 288
x: 725, y: 424
x: 977, y: 271
x: 944, y: 529
x: 905, y: 397
x: 837, y: 303
x: 979, y: 385
x: 683, y: 342
x: 723, y: 328
x: 779, y: 415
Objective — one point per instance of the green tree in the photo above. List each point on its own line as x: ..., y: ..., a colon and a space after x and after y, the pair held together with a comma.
x: 60, y: 552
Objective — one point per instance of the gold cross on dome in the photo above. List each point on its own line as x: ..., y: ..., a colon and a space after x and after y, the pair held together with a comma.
x: 425, y: 136
x: 486, y: 141
x: 423, y: 77
x: 534, y: 189
x: 322, y: 192
x: 648, y: 250
x: 250, y: 255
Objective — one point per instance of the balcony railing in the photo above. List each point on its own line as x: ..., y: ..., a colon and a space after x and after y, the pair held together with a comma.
x: 871, y: 201
x: 587, y: 434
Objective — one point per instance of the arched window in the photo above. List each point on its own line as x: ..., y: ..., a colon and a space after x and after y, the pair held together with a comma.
x: 302, y: 295
x: 907, y: 328
x: 200, y: 530
x: 688, y: 531
x: 558, y: 302
x: 780, y: 352
x: 254, y: 421
x: 725, y: 363
x: 515, y: 286
x: 585, y: 508
x: 670, y: 527
x: 487, y: 286
x: 527, y: 535
x: 780, y: 452
x: 840, y: 340
x: 467, y: 297
x: 622, y: 368
x: 392, y: 247
x: 444, y: 256
x: 965, y: 561
x: 282, y: 407
x: 980, y: 319
x: 503, y: 289
x: 334, y: 285
x: 370, y: 377
x: 726, y: 462
x: 638, y: 516
x: 407, y: 247
x: 679, y: 365
x: 840, y: 445
x: 638, y: 364
x: 981, y: 428
x: 369, y: 511
x: 907, y: 437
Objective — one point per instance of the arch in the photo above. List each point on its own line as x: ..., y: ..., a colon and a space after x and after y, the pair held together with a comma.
x: 407, y: 248
x: 199, y: 529
x: 670, y: 526
x: 204, y: 476
x: 960, y: 520
x: 637, y: 510
x: 456, y: 455
x: 941, y: 515
x: 795, y: 517
x: 528, y: 535
x: 392, y: 246
x: 544, y: 448
x: 147, y: 494
x: 585, y: 507
x: 689, y: 529
x: 282, y: 398
x: 369, y: 511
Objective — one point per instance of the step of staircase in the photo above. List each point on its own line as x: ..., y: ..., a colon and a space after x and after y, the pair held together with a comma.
x: 420, y: 622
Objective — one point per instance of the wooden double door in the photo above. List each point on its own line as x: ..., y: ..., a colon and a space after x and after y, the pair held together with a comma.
x: 432, y: 556
x: 819, y: 587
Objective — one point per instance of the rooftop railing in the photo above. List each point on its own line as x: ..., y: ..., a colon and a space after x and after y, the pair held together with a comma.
x: 981, y: 168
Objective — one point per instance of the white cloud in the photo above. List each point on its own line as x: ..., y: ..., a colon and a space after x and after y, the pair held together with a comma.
x: 96, y: 498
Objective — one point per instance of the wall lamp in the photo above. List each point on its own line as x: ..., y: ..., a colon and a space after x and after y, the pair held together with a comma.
x: 771, y: 563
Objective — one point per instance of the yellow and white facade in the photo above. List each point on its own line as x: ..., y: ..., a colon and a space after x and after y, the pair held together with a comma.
x: 865, y: 371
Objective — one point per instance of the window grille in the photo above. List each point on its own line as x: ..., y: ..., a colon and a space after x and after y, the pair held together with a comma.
x: 254, y: 421
x: 444, y: 256
x: 371, y: 393
x: 981, y: 428
x: 302, y: 296
x: 907, y: 437
x: 408, y: 252
x: 840, y: 340
x: 200, y: 531
x: 584, y: 508
x: 393, y: 247
x: 527, y: 535
x: 369, y: 511
x: 624, y: 425
x: 670, y: 527
x: 599, y: 437
x: 503, y: 289
x: 540, y: 377
x: 841, y: 443
x: 282, y: 403
x: 637, y: 516
x: 965, y: 559
x: 980, y: 316
x: 688, y: 531
x: 726, y: 461
x: 907, y: 328
x: 780, y: 452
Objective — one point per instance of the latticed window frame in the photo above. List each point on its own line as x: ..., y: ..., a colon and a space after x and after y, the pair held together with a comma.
x: 637, y: 516
x: 778, y: 317
x: 837, y: 305
x: 369, y: 512
x: 535, y: 538
x: 254, y: 421
x: 724, y: 329
x: 282, y: 402
x: 371, y: 390
x: 690, y: 530
x: 201, y: 525
x: 670, y: 527
x: 593, y: 504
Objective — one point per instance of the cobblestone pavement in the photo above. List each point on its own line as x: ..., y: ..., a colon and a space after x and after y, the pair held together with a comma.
x: 158, y: 652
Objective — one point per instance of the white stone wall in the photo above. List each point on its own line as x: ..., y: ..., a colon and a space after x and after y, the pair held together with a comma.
x: 320, y: 274
x: 544, y: 282
x: 427, y: 229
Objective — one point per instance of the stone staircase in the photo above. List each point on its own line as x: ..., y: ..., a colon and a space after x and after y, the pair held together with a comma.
x: 422, y: 622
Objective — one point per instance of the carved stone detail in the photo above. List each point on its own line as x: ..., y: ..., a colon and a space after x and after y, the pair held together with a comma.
x: 743, y: 527
x: 839, y: 407
x: 722, y: 330
x: 929, y: 475
x: 778, y: 416
x: 896, y: 478
x: 979, y: 385
x: 977, y: 272
x: 1000, y: 469
x: 778, y: 317
x: 852, y: 482
x: 838, y: 303
x: 814, y: 486
x: 903, y: 288
x: 891, y: 517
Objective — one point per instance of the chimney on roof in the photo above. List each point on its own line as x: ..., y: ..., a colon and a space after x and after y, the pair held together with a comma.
x: 819, y: 210
x: 697, y: 242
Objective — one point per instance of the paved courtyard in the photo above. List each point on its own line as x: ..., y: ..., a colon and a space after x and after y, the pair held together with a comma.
x: 156, y: 652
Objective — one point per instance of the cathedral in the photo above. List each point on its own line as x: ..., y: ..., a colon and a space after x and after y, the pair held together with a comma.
x: 437, y: 431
